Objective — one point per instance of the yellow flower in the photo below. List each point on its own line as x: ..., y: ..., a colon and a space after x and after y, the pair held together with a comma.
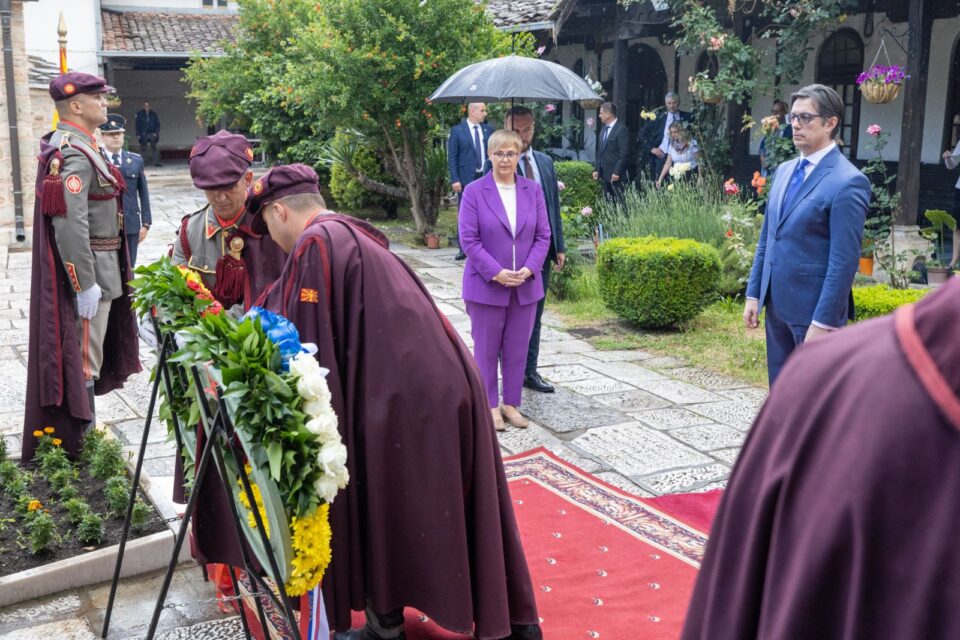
x: 48, y: 429
x: 57, y: 442
x: 38, y: 434
x: 34, y: 505
x: 310, y: 539
x: 257, y: 496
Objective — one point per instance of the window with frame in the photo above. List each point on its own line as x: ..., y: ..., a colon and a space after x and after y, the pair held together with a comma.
x: 839, y: 63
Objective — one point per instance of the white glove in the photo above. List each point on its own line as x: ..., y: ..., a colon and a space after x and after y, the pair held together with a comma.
x: 87, y: 302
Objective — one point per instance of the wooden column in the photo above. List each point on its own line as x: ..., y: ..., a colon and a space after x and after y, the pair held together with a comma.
x: 620, y: 62
x: 914, y: 104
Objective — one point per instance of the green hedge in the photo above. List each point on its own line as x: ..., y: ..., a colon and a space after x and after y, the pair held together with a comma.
x: 879, y: 300
x: 581, y: 189
x: 346, y: 191
x: 657, y: 282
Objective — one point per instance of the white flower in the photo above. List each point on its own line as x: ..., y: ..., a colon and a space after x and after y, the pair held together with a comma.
x: 315, y: 407
x: 561, y: 186
x: 333, y: 458
x: 679, y: 169
x: 314, y: 387
x: 324, y: 426
x: 326, y: 488
x: 303, y: 364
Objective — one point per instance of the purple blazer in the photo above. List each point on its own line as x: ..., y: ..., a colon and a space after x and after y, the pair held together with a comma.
x: 486, y: 239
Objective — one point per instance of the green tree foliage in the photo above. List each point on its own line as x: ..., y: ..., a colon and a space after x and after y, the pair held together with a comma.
x: 368, y: 66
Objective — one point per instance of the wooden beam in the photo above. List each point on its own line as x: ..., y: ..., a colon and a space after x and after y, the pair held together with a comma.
x: 621, y: 59
x: 919, y: 27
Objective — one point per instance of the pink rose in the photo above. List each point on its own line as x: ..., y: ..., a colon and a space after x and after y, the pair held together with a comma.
x: 591, y: 122
x: 586, y: 211
x: 550, y: 108
x: 540, y: 50
x: 560, y: 186
x: 874, y: 130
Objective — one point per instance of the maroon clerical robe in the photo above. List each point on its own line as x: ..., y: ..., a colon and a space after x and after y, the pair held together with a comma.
x: 842, y: 514
x: 426, y: 520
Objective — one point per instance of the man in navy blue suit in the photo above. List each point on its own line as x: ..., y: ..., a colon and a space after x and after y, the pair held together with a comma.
x: 136, y: 199
x: 538, y: 166
x: 809, y: 247
x: 467, y: 150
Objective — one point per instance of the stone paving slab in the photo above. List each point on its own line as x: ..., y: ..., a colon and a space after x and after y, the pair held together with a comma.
x: 665, y: 362
x: 566, y: 411
x: 707, y: 379
x: 731, y: 412
x: 678, y: 392
x: 709, y: 437
x: 566, y: 346
x: 566, y: 373
x: 750, y: 395
x: 634, y: 450
x: 550, y: 359
x: 727, y: 455
x: 519, y: 440
x: 633, y: 400
x: 621, y: 482
x: 684, y: 480
x: 628, y: 372
x: 596, y: 386
x: 619, y: 356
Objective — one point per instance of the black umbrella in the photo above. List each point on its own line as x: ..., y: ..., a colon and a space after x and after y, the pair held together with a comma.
x: 514, y: 78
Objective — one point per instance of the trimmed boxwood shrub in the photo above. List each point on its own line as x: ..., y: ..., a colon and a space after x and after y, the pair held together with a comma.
x: 657, y: 282
x: 581, y: 189
x: 881, y: 299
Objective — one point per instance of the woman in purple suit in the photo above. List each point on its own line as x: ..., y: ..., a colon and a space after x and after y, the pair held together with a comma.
x: 505, y: 233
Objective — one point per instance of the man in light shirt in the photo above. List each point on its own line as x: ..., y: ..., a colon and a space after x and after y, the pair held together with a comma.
x: 809, y: 247
x: 654, y: 139
x: 951, y: 159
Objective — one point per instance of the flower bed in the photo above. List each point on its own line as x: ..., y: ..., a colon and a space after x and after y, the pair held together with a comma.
x: 53, y: 508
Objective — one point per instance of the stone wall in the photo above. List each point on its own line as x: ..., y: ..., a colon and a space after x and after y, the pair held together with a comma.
x: 26, y: 128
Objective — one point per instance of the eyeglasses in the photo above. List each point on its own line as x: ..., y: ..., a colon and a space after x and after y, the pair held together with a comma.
x: 504, y: 155
x: 803, y: 118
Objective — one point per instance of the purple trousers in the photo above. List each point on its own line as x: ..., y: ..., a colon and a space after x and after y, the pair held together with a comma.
x: 501, y: 335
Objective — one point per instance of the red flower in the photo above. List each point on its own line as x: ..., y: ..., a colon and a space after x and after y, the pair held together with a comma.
x: 731, y: 188
x: 729, y: 233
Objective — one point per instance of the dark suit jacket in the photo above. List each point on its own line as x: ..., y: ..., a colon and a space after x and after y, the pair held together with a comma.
x: 136, y: 199
x: 461, y: 154
x: 652, y: 134
x: 614, y: 153
x: 551, y: 193
x: 148, y: 126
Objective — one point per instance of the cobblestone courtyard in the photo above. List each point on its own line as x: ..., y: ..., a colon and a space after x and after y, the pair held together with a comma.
x: 648, y: 424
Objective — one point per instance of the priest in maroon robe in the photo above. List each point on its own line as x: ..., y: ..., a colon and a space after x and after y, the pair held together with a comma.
x: 842, y: 514
x: 426, y: 521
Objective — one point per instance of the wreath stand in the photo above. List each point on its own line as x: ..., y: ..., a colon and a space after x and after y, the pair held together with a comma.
x: 219, y: 429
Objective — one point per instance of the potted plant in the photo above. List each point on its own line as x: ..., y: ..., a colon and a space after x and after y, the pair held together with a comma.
x: 432, y: 240
x: 113, y: 101
x: 937, y: 270
x: 881, y: 84
x: 876, y: 229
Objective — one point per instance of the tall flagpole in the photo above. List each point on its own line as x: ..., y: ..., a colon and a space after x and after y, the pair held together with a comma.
x: 62, y: 32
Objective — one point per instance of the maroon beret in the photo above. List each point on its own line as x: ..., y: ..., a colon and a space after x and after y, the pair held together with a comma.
x: 75, y: 82
x: 220, y: 160
x: 279, y: 182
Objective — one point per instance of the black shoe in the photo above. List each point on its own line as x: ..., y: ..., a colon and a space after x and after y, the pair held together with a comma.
x: 525, y: 632
x: 535, y: 382
x: 390, y: 623
x: 460, y: 256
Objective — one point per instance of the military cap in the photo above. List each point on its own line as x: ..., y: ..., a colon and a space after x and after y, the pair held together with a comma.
x: 115, y: 122
x: 220, y: 160
x: 279, y: 182
x: 73, y: 83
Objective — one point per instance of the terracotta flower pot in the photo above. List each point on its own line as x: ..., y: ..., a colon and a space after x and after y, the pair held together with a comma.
x: 432, y: 240
x: 937, y: 275
x: 866, y: 265
x: 879, y: 93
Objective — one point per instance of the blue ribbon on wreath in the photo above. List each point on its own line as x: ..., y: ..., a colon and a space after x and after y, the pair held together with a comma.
x: 280, y: 331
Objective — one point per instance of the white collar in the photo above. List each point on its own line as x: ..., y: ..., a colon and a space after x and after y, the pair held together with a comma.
x: 815, y: 158
x: 612, y: 122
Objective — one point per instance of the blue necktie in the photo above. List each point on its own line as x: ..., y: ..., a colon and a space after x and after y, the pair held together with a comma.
x: 796, y: 181
x: 603, y: 143
x: 477, y: 146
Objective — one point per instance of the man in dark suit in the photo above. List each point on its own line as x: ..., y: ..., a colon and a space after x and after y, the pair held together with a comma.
x: 538, y: 166
x: 148, y: 132
x: 654, y: 139
x: 467, y: 150
x: 136, y: 199
x: 809, y: 248
x: 611, y: 163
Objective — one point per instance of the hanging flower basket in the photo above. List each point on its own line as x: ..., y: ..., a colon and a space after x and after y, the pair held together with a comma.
x: 881, y: 84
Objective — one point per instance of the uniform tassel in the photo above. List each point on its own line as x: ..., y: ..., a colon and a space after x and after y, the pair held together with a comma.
x: 52, y: 200
x: 121, y: 186
x: 231, y: 273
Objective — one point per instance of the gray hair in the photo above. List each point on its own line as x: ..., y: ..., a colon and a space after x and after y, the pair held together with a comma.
x: 828, y: 102
x: 671, y: 94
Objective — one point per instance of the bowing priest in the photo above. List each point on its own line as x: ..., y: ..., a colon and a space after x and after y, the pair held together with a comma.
x: 840, y: 519
x: 426, y: 520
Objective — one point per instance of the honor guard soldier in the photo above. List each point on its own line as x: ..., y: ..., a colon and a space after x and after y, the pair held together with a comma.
x: 83, y: 336
x: 136, y: 197
x: 234, y: 263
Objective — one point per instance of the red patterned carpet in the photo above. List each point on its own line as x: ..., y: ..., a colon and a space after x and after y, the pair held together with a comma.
x: 605, y: 564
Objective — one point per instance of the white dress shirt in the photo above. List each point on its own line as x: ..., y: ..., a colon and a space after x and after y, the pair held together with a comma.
x: 476, y: 129
x: 533, y: 163
x: 508, y: 196
x: 665, y: 141
x: 952, y: 161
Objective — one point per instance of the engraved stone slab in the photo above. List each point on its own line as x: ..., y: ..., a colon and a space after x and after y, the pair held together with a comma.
x: 678, y: 392
x: 567, y: 373
x: 563, y: 346
x: 708, y: 437
x: 519, y: 440
x: 665, y: 362
x: 70, y: 629
x: 448, y: 274
x: 565, y: 411
x: 620, y: 355
x: 548, y: 359
x: 625, y: 371
x: 683, y: 480
x: 727, y: 455
x: 750, y: 395
x: 623, y: 483
x: 735, y: 414
x: 42, y: 609
x: 670, y: 418
x: 707, y: 379
x: 548, y: 334
x: 635, y: 450
x: 636, y: 400
x: 595, y: 386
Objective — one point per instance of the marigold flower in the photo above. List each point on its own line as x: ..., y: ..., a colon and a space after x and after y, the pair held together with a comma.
x: 48, y: 429
x: 57, y: 442
x: 38, y: 434
x: 34, y: 505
